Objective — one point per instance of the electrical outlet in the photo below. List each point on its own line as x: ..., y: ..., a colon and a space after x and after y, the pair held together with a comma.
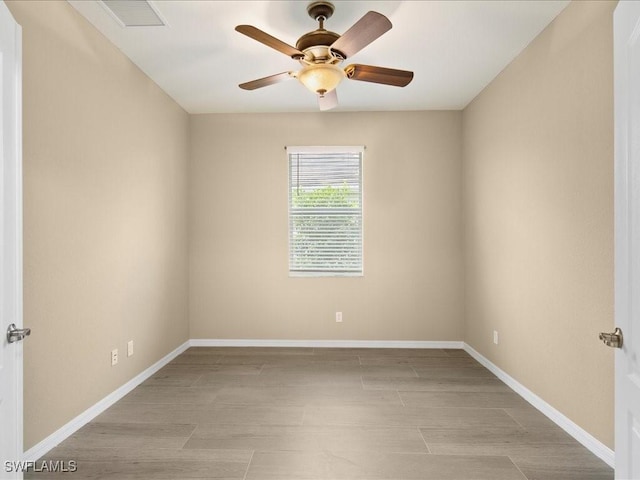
x: 130, y: 348
x: 339, y: 317
x: 495, y: 337
x: 114, y: 357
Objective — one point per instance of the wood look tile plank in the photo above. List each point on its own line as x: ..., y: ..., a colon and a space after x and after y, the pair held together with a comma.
x: 195, y: 359
x: 567, y: 467
x: 435, y: 361
x: 254, y: 415
x: 160, y: 470
x: 307, y: 438
x: 384, y: 352
x: 172, y: 379
x: 130, y: 435
x: 123, y: 412
x: 376, y: 466
x: 181, y: 368
x: 462, y: 399
x: 289, y: 359
x: 120, y: 454
x: 150, y: 463
x: 306, y: 396
x: 162, y: 394
x: 407, y: 416
x: 189, y: 413
x: 252, y: 351
x: 341, y: 370
x: 538, y: 450
x: 478, y: 384
x: 493, y: 440
x: 528, y: 416
x: 452, y: 372
x: 318, y: 378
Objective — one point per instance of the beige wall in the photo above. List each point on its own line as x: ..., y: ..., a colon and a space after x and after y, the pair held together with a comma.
x: 105, y: 154
x: 239, y: 284
x: 538, y: 202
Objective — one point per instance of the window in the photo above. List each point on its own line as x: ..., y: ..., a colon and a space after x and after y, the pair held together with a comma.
x: 325, y: 211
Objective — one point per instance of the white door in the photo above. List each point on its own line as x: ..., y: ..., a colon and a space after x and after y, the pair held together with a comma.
x: 627, y: 232
x: 10, y: 243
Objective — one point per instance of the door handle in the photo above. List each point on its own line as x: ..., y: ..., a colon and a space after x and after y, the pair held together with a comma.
x: 613, y: 340
x: 16, y: 334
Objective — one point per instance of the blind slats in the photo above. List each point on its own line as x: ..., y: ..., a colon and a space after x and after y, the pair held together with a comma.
x: 325, y: 212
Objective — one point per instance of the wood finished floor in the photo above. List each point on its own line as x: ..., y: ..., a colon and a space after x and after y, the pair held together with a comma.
x: 297, y: 414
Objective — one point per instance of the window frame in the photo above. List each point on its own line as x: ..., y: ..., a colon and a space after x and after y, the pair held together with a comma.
x: 293, y: 150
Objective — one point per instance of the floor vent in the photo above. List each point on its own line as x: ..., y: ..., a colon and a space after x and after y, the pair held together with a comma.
x: 133, y: 13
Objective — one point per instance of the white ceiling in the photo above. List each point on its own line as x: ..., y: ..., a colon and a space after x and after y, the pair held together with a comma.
x: 455, y: 48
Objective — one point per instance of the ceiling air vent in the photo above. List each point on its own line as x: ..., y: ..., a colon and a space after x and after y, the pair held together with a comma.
x: 133, y: 13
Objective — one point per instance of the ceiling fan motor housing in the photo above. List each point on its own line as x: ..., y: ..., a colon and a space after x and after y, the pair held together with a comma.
x: 316, y: 45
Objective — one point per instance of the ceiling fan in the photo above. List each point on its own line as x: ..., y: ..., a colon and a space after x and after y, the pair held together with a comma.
x: 321, y: 51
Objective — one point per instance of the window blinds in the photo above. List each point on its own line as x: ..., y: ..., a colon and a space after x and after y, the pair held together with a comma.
x: 325, y: 211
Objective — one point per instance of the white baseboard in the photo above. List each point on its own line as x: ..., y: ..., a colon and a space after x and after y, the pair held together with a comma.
x: 41, y: 448
x: 596, y: 447
x: 206, y: 342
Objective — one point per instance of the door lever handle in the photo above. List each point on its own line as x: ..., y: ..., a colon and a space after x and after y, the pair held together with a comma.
x: 613, y: 340
x: 16, y: 334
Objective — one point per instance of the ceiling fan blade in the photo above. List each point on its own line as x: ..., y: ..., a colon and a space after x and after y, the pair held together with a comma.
x: 266, y: 81
x: 386, y: 76
x: 270, y: 41
x: 328, y: 101
x: 361, y: 34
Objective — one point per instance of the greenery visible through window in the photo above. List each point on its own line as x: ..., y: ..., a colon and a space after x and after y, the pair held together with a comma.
x: 325, y: 211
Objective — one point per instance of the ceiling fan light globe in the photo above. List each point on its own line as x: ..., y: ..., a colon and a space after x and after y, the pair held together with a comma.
x: 321, y: 78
